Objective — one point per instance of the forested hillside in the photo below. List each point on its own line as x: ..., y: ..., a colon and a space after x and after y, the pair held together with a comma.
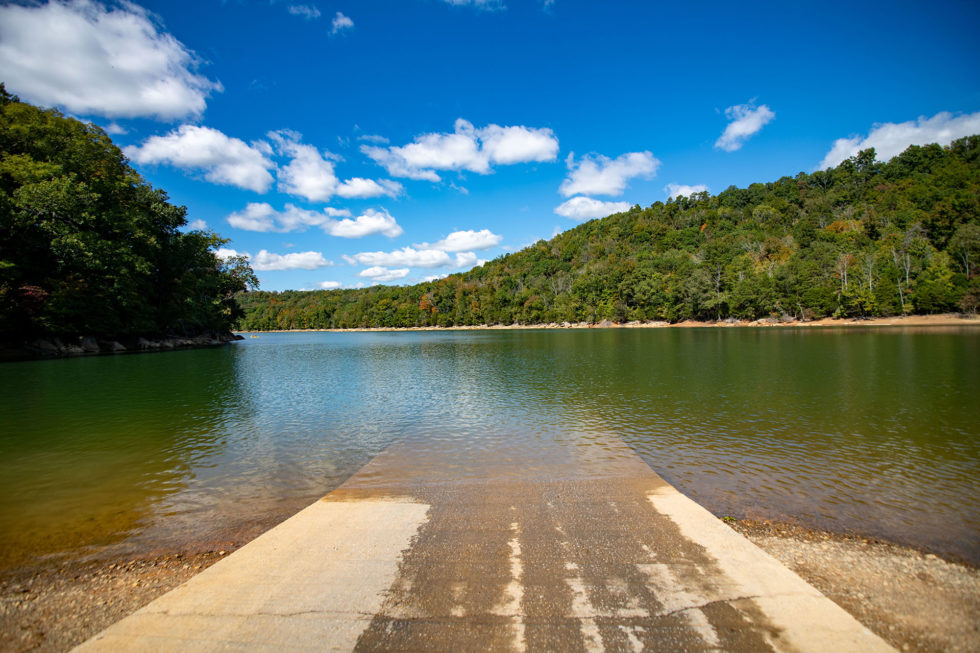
x: 864, y: 239
x: 88, y: 248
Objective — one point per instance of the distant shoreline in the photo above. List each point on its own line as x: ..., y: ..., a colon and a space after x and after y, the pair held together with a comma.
x: 945, y: 319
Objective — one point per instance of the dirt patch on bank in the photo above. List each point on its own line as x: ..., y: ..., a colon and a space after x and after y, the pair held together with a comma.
x: 916, y: 601
x: 57, y: 608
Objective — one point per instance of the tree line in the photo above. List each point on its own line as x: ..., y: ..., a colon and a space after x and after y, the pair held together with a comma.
x: 89, y: 248
x: 866, y: 238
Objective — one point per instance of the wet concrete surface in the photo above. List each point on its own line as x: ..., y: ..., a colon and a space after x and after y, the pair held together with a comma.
x: 585, y: 549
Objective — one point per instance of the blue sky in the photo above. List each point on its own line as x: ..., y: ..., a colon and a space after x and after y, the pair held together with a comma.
x: 346, y: 143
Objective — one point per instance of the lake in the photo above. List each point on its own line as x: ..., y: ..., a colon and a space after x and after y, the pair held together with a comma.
x: 867, y: 430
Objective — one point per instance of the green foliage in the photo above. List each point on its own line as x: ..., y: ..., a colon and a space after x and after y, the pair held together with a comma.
x: 864, y: 239
x: 87, y: 247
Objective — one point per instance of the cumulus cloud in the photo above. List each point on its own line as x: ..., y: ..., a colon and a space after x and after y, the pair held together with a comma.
x: 197, y: 225
x: 586, y: 208
x: 599, y: 175
x: 266, y: 260
x: 115, y: 129
x: 459, y: 241
x: 466, y: 259
x: 90, y: 59
x: 329, y: 285
x: 225, y: 253
x: 677, y: 190
x: 517, y: 144
x: 309, y: 12
x: 891, y: 139
x: 407, y: 256
x: 222, y: 159
x: 340, y: 23
x: 260, y: 216
x: 746, y: 120
x: 369, y: 223
x: 380, y: 273
x: 466, y: 148
x: 435, y: 277
x: 364, y: 188
x: 310, y: 173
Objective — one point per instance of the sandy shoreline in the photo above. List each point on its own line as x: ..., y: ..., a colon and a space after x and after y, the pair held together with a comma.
x: 915, y: 600
x: 945, y: 319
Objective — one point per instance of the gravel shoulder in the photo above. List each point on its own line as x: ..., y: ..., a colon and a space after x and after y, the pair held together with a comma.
x: 914, y: 600
x: 57, y: 608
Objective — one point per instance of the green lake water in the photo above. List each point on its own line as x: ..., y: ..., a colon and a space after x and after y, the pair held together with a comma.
x: 867, y: 430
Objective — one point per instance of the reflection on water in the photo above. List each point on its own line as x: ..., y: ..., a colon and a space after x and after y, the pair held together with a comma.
x: 848, y: 429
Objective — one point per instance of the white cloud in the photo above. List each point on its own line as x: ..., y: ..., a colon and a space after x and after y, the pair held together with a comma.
x: 586, y: 208
x: 369, y: 223
x: 517, y: 144
x: 340, y: 23
x: 260, y: 216
x: 330, y: 285
x: 198, y: 225
x: 364, y: 188
x: 459, y: 241
x: 600, y: 175
x: 309, y: 12
x: 746, y: 120
x: 373, y: 138
x: 223, y: 160
x: 466, y: 148
x: 257, y: 216
x: 435, y: 277
x: 310, y: 173
x: 224, y: 253
x: 466, y: 259
x: 676, y: 190
x: 90, y: 59
x: 891, y: 139
x: 407, y: 256
x: 115, y: 129
x: 265, y: 260
x: 379, y: 273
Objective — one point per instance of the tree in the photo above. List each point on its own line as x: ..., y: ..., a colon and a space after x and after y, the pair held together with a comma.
x: 965, y: 246
x: 87, y: 247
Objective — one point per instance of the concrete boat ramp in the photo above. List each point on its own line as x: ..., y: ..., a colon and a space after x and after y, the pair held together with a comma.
x: 570, y: 549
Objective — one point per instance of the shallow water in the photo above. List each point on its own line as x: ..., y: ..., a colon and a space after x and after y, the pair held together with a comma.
x: 868, y: 430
